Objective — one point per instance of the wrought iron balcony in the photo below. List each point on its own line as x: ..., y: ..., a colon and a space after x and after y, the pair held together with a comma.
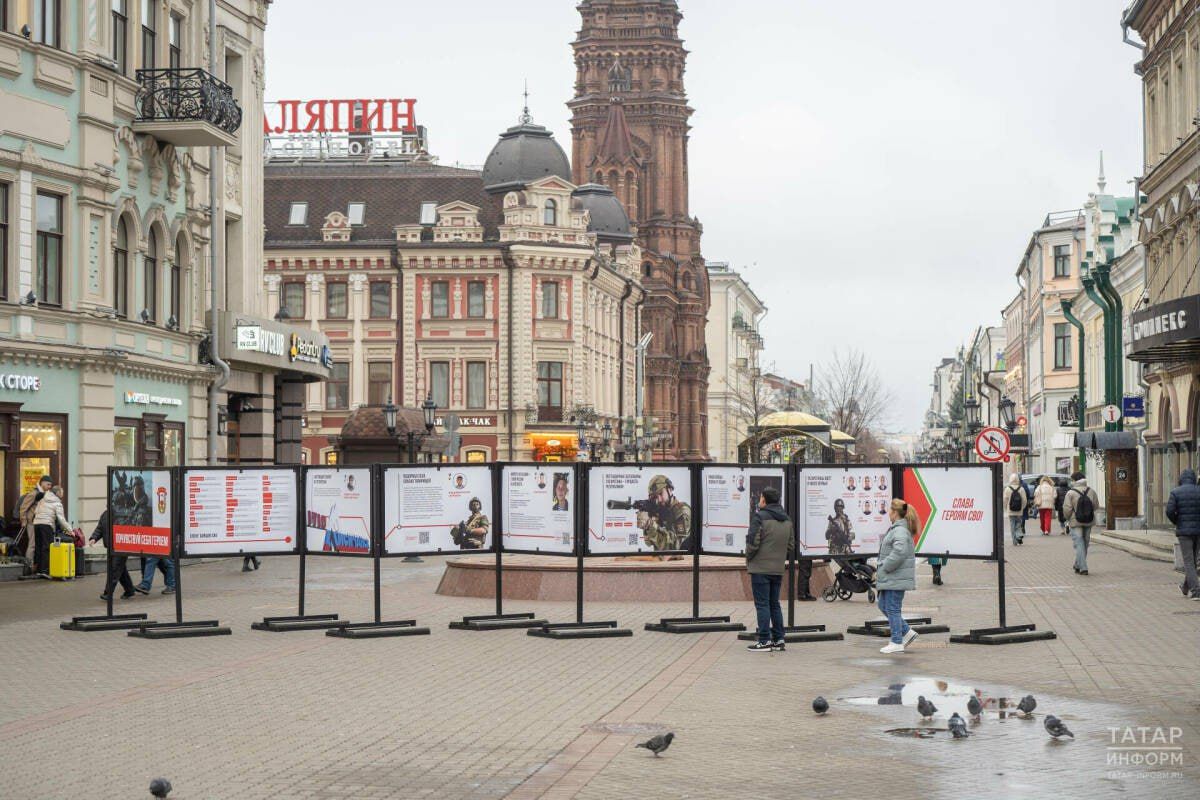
x: 1068, y: 412
x: 186, y: 107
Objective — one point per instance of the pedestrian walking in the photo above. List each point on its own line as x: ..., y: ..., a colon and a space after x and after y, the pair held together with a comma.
x: 250, y: 563
x: 1060, y: 494
x: 1044, y: 498
x: 896, y: 573
x: 1079, y: 509
x: 769, y: 544
x: 936, y: 563
x: 48, y: 520
x: 1015, y: 502
x: 1183, y: 509
x: 118, y: 568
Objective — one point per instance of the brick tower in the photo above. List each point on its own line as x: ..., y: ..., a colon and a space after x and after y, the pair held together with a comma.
x: 629, y: 128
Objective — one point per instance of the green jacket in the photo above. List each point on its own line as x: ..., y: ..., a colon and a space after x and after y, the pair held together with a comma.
x: 897, y: 562
x: 769, y: 543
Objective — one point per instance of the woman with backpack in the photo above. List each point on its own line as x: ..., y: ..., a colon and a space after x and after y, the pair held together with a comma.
x: 1014, y: 504
x: 1079, y: 509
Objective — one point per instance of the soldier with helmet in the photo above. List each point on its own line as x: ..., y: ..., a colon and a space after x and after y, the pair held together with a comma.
x: 471, y: 534
x: 666, y: 522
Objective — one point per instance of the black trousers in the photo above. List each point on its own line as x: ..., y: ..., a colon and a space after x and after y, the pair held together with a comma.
x: 118, y: 571
x: 43, y: 535
x: 803, y: 575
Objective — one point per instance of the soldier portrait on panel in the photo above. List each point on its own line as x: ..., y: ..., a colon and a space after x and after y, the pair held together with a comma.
x: 459, y: 481
x: 866, y: 483
x: 666, y: 522
x: 471, y: 533
x: 141, y: 514
x: 839, y: 533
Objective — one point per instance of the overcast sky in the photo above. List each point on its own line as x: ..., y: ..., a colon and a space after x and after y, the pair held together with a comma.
x: 875, y: 173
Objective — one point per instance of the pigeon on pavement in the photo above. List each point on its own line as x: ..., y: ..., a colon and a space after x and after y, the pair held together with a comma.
x: 1027, y: 705
x: 925, y: 708
x: 958, y: 727
x: 658, y: 744
x: 160, y: 787
x: 1055, y: 727
x: 820, y: 705
x: 974, y: 707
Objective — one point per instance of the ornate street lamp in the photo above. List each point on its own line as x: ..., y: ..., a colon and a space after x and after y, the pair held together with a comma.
x: 972, y: 408
x: 429, y: 407
x: 606, y: 436
x: 580, y: 441
x: 1008, y: 414
x: 389, y: 416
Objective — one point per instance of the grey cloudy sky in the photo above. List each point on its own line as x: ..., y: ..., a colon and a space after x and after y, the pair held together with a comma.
x: 875, y: 172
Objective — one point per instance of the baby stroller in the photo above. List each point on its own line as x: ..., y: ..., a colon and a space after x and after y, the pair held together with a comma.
x: 854, y: 575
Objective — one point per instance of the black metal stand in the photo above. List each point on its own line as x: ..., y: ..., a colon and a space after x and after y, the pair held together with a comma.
x: 179, y: 629
x: 1005, y: 633
x: 880, y: 627
x: 302, y: 621
x: 579, y: 629
x: 695, y: 623
x: 108, y: 621
x: 379, y: 627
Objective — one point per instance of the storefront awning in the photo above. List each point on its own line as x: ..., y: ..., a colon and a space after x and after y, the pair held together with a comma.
x: 1106, y: 440
x: 1168, y: 331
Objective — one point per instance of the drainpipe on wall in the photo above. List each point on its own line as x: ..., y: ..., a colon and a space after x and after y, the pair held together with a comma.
x: 216, y: 254
x: 1089, y: 286
x: 1071, y: 318
x: 621, y: 365
x: 506, y: 256
x: 1115, y: 349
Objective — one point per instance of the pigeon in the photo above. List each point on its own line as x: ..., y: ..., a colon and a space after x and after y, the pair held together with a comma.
x: 1027, y: 705
x: 820, y: 705
x: 160, y: 787
x: 925, y: 708
x: 958, y: 727
x: 658, y: 744
x: 1055, y: 727
x: 974, y: 707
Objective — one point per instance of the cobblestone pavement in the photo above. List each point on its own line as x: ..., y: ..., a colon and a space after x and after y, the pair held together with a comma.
x: 462, y: 714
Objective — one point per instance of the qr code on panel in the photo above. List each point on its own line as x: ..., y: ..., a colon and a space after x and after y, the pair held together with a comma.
x: 566, y: 538
x: 423, y: 537
x: 729, y: 540
x: 633, y: 539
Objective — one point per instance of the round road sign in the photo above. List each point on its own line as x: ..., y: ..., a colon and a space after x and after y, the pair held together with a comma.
x: 1021, y: 421
x: 992, y: 445
x: 1111, y: 413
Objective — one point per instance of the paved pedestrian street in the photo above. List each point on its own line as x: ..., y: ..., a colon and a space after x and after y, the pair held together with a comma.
x: 462, y: 714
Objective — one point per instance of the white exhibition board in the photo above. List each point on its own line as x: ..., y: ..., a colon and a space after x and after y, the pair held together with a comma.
x: 337, y: 510
x: 730, y: 498
x: 240, y: 511
x: 956, y: 507
x: 435, y: 508
x: 623, y: 517
x: 538, y: 508
x: 842, y: 510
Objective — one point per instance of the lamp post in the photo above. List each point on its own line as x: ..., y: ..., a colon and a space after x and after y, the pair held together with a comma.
x: 627, y: 436
x: 606, y: 437
x: 1008, y: 414
x: 429, y: 409
x: 580, y: 442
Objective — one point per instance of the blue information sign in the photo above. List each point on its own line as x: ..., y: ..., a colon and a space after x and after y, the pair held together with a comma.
x: 1133, y: 407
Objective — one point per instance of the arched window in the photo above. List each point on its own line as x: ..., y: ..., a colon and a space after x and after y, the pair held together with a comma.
x: 176, y: 284
x: 121, y: 270
x: 150, y: 277
x: 647, y: 269
x: 551, y: 213
x: 687, y: 281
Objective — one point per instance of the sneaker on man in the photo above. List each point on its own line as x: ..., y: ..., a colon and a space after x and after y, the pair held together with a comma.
x: 1196, y: 594
x: 910, y: 637
x: 169, y: 590
x: 892, y: 647
x: 779, y: 646
x: 1183, y: 588
x: 761, y: 647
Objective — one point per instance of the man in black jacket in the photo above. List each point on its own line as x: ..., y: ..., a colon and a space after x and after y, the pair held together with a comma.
x: 770, y: 542
x: 1183, y: 509
x: 118, y: 569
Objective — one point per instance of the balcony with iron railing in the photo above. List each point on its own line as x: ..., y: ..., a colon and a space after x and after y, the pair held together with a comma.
x: 186, y: 107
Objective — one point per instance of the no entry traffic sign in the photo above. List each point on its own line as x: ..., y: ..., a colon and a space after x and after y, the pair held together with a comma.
x: 992, y: 445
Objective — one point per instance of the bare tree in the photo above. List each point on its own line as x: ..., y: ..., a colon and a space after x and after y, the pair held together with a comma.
x: 850, y: 394
x: 750, y: 399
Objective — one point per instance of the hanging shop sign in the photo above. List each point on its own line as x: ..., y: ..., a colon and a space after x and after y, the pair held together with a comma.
x: 274, y: 345
x: 310, y: 351
x: 252, y: 337
x: 20, y: 383
x: 1168, y: 331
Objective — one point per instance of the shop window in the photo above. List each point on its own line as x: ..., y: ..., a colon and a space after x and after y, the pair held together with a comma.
x: 549, y: 300
x: 476, y: 456
x: 337, y: 388
x: 149, y: 33
x: 125, y: 437
x: 549, y: 390
x: 439, y: 299
x: 3, y: 228
x: 335, y: 300
x: 381, y: 299
x: 476, y: 384
x: 439, y: 383
x: 120, y: 30
x: 49, y: 248
x: 476, y: 294
x: 172, y: 445
x: 147, y: 441
x: 293, y: 299
x: 330, y: 457
x: 379, y: 382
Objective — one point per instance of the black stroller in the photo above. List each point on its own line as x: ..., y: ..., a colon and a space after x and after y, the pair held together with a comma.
x: 854, y: 575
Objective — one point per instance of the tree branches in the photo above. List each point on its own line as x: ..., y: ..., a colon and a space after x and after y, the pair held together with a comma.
x: 851, y: 397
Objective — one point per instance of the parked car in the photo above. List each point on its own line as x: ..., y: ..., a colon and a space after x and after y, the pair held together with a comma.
x: 1030, y: 480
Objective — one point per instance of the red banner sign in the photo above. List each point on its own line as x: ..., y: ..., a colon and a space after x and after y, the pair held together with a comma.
x: 341, y: 116
x: 137, y: 539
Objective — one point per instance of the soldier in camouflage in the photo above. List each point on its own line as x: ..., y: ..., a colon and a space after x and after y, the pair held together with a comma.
x: 473, y: 532
x: 667, y: 523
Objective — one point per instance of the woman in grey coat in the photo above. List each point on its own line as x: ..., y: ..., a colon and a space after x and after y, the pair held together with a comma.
x: 896, y: 573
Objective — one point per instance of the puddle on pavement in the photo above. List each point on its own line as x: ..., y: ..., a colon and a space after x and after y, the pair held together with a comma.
x: 916, y: 733
x: 950, y: 698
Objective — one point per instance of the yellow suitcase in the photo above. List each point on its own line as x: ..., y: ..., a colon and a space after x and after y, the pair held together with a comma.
x: 62, y: 560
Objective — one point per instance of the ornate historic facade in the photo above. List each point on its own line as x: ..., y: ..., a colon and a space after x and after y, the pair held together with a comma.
x: 630, y: 131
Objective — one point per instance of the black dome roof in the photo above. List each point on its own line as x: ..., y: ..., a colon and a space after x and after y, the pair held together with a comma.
x: 525, y: 153
x: 608, y: 219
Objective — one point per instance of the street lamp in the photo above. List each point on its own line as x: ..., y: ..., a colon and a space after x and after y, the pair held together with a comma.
x: 972, y: 407
x: 606, y: 436
x: 581, y: 443
x: 1008, y: 413
x: 389, y: 416
x: 429, y: 407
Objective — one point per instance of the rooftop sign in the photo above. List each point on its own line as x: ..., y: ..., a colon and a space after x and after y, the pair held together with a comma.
x: 346, y: 128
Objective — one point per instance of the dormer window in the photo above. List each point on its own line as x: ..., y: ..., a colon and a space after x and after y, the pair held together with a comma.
x: 298, y: 214
x: 355, y: 212
x: 551, y: 213
x: 428, y: 213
